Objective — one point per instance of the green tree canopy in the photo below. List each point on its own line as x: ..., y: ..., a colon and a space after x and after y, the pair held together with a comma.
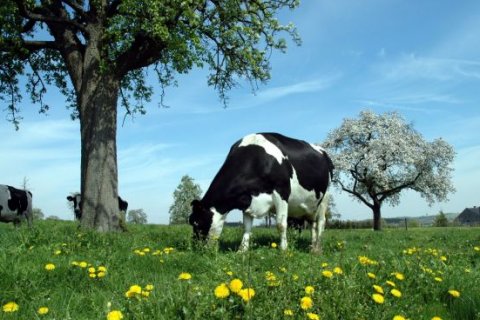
x: 377, y: 156
x: 186, y: 192
x: 97, y: 53
x: 137, y: 216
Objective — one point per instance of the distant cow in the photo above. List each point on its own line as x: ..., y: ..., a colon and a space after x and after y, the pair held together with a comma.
x: 76, y: 198
x: 15, y: 204
x: 267, y: 173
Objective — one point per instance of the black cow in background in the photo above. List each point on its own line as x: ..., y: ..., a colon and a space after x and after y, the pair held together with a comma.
x: 15, y: 204
x: 76, y: 198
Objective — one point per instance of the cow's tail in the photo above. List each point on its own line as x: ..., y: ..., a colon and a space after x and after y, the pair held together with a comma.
x: 330, y: 165
x: 29, y: 210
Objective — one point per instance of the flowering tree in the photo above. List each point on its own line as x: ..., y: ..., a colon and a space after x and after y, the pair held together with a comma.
x: 97, y: 53
x: 378, y: 156
x: 186, y: 192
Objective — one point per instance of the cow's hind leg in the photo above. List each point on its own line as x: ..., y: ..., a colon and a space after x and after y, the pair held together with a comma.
x: 281, y: 206
x: 247, y: 229
x: 318, y: 225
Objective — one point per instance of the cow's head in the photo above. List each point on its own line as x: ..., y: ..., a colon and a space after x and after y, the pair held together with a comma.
x: 77, y: 204
x: 201, y: 220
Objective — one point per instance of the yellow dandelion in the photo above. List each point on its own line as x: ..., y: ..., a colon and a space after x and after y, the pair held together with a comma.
x: 436, y: 318
x: 306, y: 303
x: 91, y: 270
x: 92, y: 275
x: 146, y: 294
x: 399, y: 276
x: 391, y: 283
x: 309, y: 290
x: 133, y: 291
x: 476, y: 248
x: 146, y: 250
x: 443, y: 258
x: 57, y: 252
x: 378, y: 289
x: 184, y: 276
x: 313, y: 316
x: 295, y: 277
x: 327, y: 273
x: 49, y: 267
x: 454, y: 293
x: 83, y: 264
x: 274, y: 245
x: 338, y: 270
x: 398, y: 317
x: 371, y: 275
x: 236, y: 285
x: 101, y: 274
x: 230, y: 273
x: 102, y: 269
x: 74, y: 263
x: 10, y: 307
x: 247, y: 294
x: 438, y: 279
x: 396, y: 293
x: 324, y: 265
x: 149, y: 287
x: 288, y: 312
x: 378, y: 298
x: 221, y: 291
x: 115, y: 315
x: 42, y: 310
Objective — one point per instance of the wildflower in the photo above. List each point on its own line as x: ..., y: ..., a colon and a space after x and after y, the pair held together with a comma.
x: 91, y: 270
x: 309, y: 290
x: 391, y: 283
x: 168, y: 250
x: 306, y: 303
x: 438, y: 279
x: 133, y: 291
x: 436, y: 318
x: 230, y: 273
x: 149, y: 287
x: 454, y: 293
x: 236, y: 285
x: 399, y: 276
x: 74, y: 263
x: 184, y: 276
x: 313, y: 316
x: 222, y: 291
x: 115, y: 315
x: 288, y: 312
x: 295, y: 277
x: 145, y: 294
x: 92, y: 275
x: 396, y: 293
x: 327, y: 273
x: 83, y: 264
x: 324, y: 265
x: 366, y: 261
x: 397, y: 317
x: 146, y: 250
x: 42, y: 310
x: 338, y: 270
x: 283, y: 269
x: 371, y: 275
x: 49, y: 267
x: 378, y: 289
x: 378, y: 298
x: 10, y: 307
x: 247, y: 294
x: 476, y: 248
x: 102, y: 269
x: 274, y: 245
x: 57, y: 252
x: 101, y: 274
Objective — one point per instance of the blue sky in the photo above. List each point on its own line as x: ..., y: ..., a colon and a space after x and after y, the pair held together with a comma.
x: 419, y: 58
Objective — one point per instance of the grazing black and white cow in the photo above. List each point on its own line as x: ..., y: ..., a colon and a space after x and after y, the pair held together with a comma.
x: 76, y: 198
x: 265, y: 173
x: 15, y: 204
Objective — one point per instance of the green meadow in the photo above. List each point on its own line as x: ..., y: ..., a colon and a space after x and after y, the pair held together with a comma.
x: 156, y: 272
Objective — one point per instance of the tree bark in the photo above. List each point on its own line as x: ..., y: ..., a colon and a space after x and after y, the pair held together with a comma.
x: 99, y: 174
x: 377, y: 216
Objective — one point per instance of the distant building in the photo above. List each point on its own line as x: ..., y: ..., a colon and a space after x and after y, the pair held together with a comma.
x: 469, y: 217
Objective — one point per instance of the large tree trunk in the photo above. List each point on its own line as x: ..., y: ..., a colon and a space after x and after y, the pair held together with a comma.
x: 377, y: 216
x: 99, y: 177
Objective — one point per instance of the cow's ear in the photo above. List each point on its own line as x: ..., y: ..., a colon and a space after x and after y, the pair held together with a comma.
x: 195, y: 204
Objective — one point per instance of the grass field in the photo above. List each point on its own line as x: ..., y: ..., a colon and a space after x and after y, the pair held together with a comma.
x: 153, y: 272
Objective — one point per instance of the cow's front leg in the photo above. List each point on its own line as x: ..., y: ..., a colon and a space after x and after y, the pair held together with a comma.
x: 318, y: 225
x: 281, y: 207
x: 247, y: 229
